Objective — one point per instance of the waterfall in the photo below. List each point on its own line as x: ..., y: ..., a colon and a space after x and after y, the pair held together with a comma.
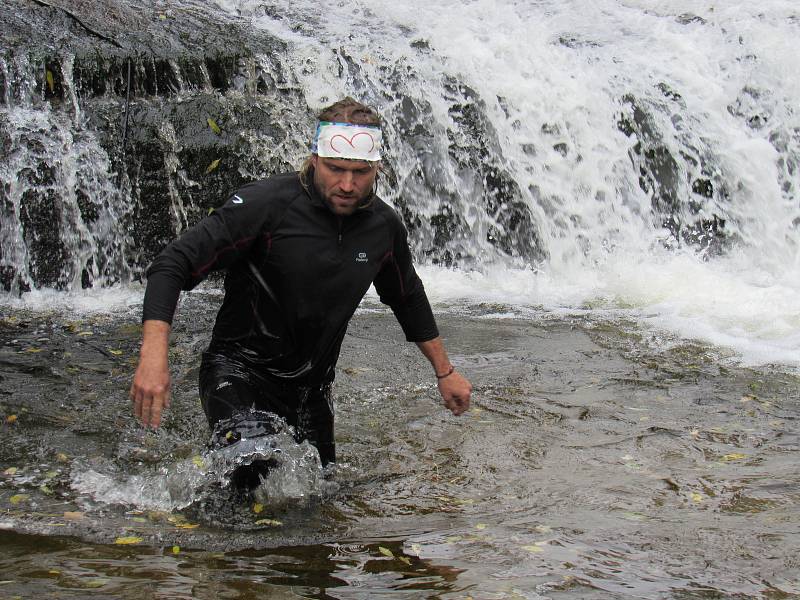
x: 621, y: 154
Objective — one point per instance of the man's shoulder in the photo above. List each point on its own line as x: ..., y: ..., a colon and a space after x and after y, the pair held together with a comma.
x: 284, y: 186
x: 385, y: 211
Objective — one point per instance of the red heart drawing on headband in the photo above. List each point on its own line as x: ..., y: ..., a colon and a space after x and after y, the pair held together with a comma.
x: 362, y: 144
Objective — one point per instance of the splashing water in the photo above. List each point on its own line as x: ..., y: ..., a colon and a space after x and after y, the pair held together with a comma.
x: 295, y: 477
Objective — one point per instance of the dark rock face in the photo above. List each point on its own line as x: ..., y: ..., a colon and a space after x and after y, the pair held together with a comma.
x: 186, y: 105
x: 680, y: 183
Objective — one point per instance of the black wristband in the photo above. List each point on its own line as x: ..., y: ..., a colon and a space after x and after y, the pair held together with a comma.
x: 449, y: 372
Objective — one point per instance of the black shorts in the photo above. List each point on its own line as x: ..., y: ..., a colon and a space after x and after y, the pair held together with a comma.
x: 231, y: 382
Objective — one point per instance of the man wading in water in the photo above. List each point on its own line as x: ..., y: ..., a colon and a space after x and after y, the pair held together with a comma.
x: 300, y: 250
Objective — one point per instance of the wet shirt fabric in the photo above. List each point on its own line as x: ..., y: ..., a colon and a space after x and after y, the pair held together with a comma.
x: 295, y: 274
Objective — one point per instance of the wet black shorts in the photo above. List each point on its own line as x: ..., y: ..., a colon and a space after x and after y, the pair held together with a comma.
x: 230, y: 382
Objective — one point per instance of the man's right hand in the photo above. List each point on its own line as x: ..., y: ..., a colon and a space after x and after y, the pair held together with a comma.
x: 151, y: 385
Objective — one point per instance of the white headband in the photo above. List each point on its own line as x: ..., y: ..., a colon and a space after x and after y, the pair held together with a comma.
x: 345, y: 140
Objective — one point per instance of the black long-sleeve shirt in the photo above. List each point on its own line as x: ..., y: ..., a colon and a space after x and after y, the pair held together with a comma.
x: 296, y: 273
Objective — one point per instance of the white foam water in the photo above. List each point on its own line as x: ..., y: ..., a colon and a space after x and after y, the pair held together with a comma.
x: 717, y: 85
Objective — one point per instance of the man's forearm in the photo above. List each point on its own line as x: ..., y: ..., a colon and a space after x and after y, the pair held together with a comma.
x: 436, y: 354
x: 151, y: 384
x: 155, y: 337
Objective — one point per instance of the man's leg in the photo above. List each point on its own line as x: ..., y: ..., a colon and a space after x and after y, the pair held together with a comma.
x: 315, y: 422
x: 228, y: 387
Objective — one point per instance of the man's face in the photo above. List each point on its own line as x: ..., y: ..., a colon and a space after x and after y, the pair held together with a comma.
x: 343, y: 184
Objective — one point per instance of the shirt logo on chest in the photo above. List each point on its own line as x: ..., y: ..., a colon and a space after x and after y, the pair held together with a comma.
x: 362, y: 257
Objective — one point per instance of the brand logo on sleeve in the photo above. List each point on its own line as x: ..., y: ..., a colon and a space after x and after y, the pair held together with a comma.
x: 362, y: 257
x: 237, y: 199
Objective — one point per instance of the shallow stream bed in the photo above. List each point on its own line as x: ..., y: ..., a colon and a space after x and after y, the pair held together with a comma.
x: 596, y: 462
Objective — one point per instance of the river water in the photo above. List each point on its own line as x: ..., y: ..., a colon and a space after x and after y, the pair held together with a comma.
x: 634, y: 430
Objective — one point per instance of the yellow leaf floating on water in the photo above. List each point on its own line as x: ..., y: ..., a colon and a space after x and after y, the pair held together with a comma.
x: 214, y: 127
x: 10, y: 419
x: 734, y: 456
x: 533, y: 548
x: 187, y: 525
x: 214, y: 164
x: 273, y: 522
x: 33, y: 350
x: 115, y: 352
x: 128, y: 540
x: 85, y: 333
x: 10, y: 471
x: 17, y: 498
x: 697, y: 497
x: 50, y: 80
x: 176, y: 549
x: 481, y: 526
x: 96, y: 583
x: 198, y: 461
x: 257, y: 508
x: 403, y: 559
x: 73, y: 515
x: 61, y: 457
x: 385, y: 551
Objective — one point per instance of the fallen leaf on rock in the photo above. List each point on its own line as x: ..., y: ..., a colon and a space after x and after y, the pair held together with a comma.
x: 214, y: 164
x: 213, y: 125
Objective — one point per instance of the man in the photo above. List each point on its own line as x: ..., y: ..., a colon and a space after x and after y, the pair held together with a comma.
x: 300, y: 250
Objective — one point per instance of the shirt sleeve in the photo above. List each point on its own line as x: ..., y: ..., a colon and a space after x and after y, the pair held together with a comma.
x: 214, y: 243
x: 399, y: 287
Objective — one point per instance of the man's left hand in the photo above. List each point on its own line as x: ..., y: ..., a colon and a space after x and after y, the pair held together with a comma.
x: 456, y: 391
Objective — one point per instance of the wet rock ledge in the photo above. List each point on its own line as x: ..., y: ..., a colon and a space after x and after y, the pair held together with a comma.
x: 187, y: 101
